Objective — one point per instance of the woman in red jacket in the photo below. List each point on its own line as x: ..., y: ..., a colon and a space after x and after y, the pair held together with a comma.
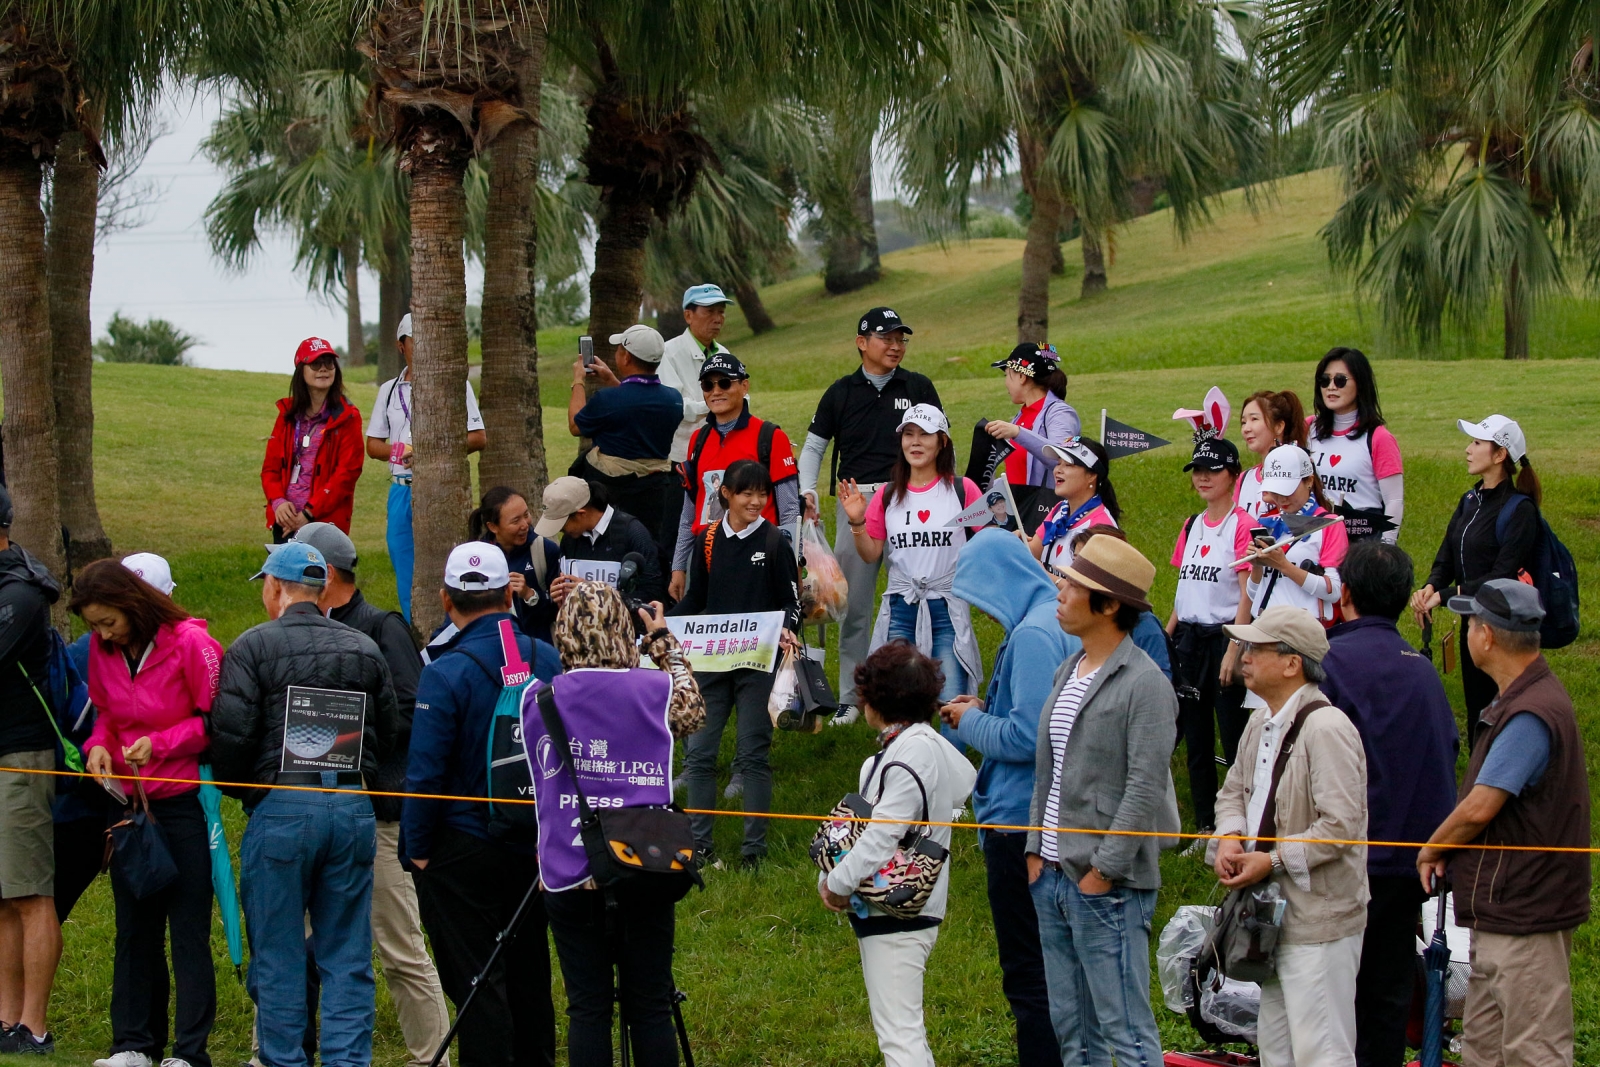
x: 316, y: 450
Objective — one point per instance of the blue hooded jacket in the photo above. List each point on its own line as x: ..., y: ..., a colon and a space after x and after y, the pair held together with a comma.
x: 996, y: 574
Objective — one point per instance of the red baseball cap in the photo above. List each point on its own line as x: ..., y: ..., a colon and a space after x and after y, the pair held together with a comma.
x: 313, y: 349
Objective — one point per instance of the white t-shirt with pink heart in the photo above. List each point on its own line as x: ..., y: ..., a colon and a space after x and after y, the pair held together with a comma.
x: 1208, y: 584
x: 919, y: 542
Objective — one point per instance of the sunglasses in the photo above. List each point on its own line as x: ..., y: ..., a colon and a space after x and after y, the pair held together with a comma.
x: 1338, y: 381
x: 711, y: 385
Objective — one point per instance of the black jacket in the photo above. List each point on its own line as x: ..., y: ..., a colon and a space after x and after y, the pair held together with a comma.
x: 300, y: 648
x: 389, y: 631
x: 26, y: 592
x: 750, y: 574
x: 861, y: 420
x: 624, y: 534
x: 1472, y: 554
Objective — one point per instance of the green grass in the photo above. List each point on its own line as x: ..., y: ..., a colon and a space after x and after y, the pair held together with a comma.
x: 772, y: 977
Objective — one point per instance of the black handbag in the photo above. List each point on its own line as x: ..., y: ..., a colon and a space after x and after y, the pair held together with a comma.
x: 647, y: 847
x: 136, y: 848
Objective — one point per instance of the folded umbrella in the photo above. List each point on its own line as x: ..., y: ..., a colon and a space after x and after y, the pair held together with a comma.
x: 1436, y: 968
x: 222, y: 868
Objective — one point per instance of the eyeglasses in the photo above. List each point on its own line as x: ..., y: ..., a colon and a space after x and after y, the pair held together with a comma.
x: 711, y: 385
x: 895, y: 339
x: 1338, y: 381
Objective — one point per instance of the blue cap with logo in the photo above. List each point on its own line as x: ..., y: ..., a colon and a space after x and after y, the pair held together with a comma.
x: 294, y: 562
x: 703, y: 294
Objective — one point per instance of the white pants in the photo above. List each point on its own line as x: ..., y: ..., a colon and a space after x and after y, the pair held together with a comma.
x: 1308, y: 1012
x: 893, y: 966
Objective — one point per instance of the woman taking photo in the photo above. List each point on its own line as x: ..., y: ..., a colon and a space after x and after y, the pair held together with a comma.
x: 614, y: 945
x: 916, y: 776
x: 1266, y: 421
x: 1037, y: 386
x: 1082, y: 476
x: 503, y: 519
x: 912, y: 519
x: 316, y: 450
x: 738, y: 566
x: 1357, y: 458
x: 153, y: 672
x: 1482, y: 543
x: 1305, y: 573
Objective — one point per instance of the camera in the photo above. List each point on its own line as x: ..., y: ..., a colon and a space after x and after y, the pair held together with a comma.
x: 627, y: 588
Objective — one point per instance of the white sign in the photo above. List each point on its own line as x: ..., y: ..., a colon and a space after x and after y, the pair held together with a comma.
x: 592, y: 570
x: 729, y: 642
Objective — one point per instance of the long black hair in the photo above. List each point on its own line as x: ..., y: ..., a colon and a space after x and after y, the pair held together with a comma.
x: 1102, y: 473
x: 487, y: 511
x: 300, y: 392
x: 1053, y: 381
x: 1369, y: 416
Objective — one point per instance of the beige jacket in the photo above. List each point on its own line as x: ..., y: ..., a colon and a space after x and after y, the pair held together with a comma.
x: 1322, y: 795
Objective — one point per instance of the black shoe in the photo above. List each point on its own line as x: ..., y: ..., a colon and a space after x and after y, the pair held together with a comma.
x: 710, y: 861
x: 19, y: 1040
x: 751, y: 862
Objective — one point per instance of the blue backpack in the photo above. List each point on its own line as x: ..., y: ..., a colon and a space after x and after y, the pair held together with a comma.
x: 64, y: 694
x: 1554, y: 573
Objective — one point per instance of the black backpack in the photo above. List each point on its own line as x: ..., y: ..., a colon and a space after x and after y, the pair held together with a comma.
x: 1552, y: 571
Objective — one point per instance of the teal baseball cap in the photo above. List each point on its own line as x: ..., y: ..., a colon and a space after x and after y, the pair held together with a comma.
x: 294, y: 562
x: 703, y: 294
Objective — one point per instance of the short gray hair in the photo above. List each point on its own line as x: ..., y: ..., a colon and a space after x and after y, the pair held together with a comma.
x: 300, y: 590
x: 1311, y: 668
x: 1516, y: 642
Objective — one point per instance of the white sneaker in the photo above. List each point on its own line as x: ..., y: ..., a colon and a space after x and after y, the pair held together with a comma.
x: 173, y: 1061
x: 127, y: 1059
x: 847, y: 714
x: 735, y: 787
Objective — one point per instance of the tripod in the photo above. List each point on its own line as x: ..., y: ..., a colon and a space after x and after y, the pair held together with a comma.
x: 678, y: 997
x: 500, y: 940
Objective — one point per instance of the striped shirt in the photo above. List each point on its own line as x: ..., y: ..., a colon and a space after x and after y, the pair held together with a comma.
x: 1062, y: 716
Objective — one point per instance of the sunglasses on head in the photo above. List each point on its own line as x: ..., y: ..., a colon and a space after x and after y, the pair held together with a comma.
x: 1338, y: 381
x: 711, y: 385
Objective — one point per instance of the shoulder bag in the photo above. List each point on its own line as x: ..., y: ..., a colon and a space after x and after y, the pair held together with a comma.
x: 136, y: 848
x: 644, y: 847
x: 902, y: 886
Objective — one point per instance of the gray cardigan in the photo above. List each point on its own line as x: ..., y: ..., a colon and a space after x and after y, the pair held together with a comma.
x: 1115, y: 772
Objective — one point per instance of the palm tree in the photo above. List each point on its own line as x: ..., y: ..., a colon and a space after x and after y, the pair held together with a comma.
x: 1096, y: 100
x: 1469, y: 163
x: 839, y: 184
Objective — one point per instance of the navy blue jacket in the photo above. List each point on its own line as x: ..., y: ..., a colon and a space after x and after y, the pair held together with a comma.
x: 450, y: 732
x: 537, y: 618
x: 1395, y: 699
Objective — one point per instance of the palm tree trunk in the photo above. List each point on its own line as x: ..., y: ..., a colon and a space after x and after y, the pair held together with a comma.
x: 1516, y: 316
x: 70, y: 268
x: 441, y: 493
x: 1043, y: 246
x: 851, y: 253
x: 617, y: 284
x: 355, y: 338
x: 514, y: 453
x: 390, y: 307
x: 1094, y: 264
x: 755, y: 312
x: 32, y: 474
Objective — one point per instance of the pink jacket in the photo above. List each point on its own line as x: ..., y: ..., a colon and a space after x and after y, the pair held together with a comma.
x: 165, y: 701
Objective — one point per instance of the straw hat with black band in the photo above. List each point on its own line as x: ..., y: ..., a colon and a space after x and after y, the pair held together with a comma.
x: 1113, y: 567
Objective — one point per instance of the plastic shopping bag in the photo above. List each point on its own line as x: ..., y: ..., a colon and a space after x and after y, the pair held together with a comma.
x: 784, y: 700
x: 824, y: 593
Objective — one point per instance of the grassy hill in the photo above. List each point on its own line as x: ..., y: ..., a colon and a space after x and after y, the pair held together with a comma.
x: 1246, y: 304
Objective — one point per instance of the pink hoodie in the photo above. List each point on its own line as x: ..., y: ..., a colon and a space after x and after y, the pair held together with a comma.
x: 165, y: 701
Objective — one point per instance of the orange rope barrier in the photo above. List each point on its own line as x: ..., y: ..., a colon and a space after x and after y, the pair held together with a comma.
x: 821, y: 818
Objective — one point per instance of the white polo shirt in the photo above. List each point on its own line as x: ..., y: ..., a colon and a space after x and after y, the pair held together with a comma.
x: 680, y: 368
x: 391, y: 415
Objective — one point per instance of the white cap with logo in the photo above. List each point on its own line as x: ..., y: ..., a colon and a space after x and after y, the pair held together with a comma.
x: 153, y: 569
x: 476, y: 567
x: 927, y: 416
x: 1284, y: 469
x: 1499, y: 430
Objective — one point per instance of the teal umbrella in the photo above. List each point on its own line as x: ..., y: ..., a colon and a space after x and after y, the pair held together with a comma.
x: 222, y: 868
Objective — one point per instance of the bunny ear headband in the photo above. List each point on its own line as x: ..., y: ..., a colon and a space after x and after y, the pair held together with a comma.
x: 1212, y: 420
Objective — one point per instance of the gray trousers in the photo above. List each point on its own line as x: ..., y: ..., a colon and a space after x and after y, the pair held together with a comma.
x: 855, y: 632
x: 725, y: 691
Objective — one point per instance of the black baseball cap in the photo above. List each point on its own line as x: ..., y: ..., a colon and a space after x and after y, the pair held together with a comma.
x: 724, y: 363
x: 1030, y: 359
x: 881, y: 320
x: 1214, y: 454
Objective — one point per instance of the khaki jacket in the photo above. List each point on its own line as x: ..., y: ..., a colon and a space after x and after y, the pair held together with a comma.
x: 1322, y: 795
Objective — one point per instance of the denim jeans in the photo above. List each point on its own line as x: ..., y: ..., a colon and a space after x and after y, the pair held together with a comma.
x: 903, y: 624
x: 1097, y: 966
x: 311, y: 854
x: 402, y: 549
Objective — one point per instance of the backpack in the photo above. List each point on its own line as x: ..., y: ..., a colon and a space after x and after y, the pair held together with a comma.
x: 1553, y: 572
x: 509, y: 776
x: 697, y: 445
x: 64, y: 695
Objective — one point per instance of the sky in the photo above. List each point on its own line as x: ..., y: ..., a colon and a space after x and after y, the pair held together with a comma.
x: 250, y: 320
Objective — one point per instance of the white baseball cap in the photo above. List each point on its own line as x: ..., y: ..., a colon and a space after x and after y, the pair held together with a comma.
x: 1284, y: 469
x: 475, y: 567
x: 642, y: 342
x: 927, y: 416
x: 404, y: 329
x: 153, y: 569
x: 1500, y: 430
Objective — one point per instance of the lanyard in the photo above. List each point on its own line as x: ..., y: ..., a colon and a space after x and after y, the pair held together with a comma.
x: 398, y: 382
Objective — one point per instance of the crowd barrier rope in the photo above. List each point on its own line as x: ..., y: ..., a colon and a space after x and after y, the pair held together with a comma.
x: 740, y: 813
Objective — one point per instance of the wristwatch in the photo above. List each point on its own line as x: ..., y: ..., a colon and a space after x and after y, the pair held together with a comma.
x: 1277, y: 862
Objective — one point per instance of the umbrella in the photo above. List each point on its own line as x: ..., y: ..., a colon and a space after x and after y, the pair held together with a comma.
x: 1436, y: 966
x: 222, y: 868
x: 1427, y: 638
